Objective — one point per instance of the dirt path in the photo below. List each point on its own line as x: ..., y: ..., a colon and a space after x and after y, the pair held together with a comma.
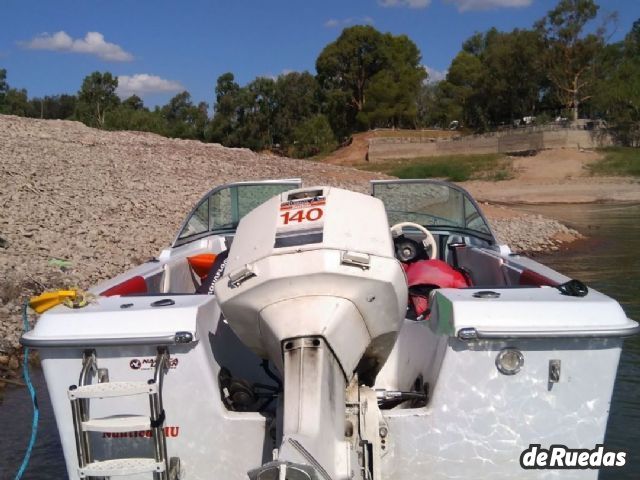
x: 352, y: 154
x: 557, y: 164
x: 556, y: 176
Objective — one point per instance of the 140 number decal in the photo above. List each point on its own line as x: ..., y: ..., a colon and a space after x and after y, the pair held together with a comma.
x: 309, y: 215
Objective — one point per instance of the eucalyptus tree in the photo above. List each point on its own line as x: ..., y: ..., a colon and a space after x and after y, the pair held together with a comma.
x: 572, y: 49
x: 96, y: 97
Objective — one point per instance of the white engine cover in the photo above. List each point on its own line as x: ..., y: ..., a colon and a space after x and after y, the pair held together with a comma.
x: 315, y: 262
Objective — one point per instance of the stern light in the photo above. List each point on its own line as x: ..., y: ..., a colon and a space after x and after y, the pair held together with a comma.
x: 509, y: 361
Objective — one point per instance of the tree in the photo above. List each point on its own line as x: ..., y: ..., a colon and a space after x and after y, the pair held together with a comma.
x: 12, y: 100
x: 183, y: 118
x: 393, y: 91
x: 297, y: 98
x: 313, y: 136
x: 4, y: 86
x: 96, y: 97
x: 369, y: 79
x: 571, y: 53
x: 462, y: 87
x: 16, y: 102
x: 223, y: 126
x: 128, y: 116
x: 349, y: 63
x: 617, y: 92
x: 259, y: 107
x: 265, y: 113
x: 134, y: 102
x: 514, y: 75
x: 53, y: 106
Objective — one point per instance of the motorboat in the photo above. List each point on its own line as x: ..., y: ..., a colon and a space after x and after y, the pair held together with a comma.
x: 315, y: 333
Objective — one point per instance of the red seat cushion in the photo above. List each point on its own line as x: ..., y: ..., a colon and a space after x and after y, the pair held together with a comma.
x: 201, y: 264
x: 130, y: 286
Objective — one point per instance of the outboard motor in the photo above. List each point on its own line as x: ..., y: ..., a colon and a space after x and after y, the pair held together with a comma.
x: 312, y: 284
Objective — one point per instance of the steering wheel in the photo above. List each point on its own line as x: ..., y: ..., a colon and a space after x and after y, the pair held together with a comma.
x: 427, y: 242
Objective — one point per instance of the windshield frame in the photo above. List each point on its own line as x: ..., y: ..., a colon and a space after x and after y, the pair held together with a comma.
x: 490, y: 237
x: 177, y: 241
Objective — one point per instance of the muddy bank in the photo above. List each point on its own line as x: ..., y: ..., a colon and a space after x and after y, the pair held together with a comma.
x: 80, y: 205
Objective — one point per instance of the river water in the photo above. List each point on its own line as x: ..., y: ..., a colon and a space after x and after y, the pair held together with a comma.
x: 609, y: 261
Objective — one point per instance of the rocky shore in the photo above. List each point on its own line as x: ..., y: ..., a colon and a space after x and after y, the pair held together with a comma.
x: 78, y: 205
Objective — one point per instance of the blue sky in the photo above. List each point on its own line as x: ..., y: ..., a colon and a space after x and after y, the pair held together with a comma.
x: 160, y: 47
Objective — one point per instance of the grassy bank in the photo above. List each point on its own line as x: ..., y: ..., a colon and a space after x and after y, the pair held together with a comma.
x: 618, y: 161
x: 456, y: 168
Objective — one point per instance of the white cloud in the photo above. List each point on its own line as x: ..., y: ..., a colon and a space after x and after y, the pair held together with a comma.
x: 405, y: 3
x: 142, y: 83
x: 468, y: 5
x: 435, y: 76
x: 343, y: 22
x: 93, y: 43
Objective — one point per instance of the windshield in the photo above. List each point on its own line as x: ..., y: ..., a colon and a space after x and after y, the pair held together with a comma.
x: 223, y: 207
x: 432, y: 204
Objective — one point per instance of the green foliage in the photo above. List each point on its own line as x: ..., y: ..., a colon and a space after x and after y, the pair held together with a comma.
x: 55, y: 106
x: 223, y: 126
x: 266, y: 113
x: 514, y: 75
x: 349, y: 63
x: 96, y: 97
x: 12, y: 100
x: 183, y: 119
x: 296, y: 99
x: 570, y: 54
x: 4, y: 86
x: 370, y: 79
x: 133, y: 115
x: 391, y: 96
x: 16, y: 102
x: 496, y: 78
x: 617, y: 91
x: 244, y: 117
x: 623, y: 161
x: 455, y: 168
x: 313, y: 137
x: 134, y: 102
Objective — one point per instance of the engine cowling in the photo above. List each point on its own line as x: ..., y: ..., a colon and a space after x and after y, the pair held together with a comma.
x: 315, y: 262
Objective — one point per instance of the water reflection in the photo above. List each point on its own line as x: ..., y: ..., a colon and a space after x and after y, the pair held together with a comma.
x: 15, y: 425
x: 610, y: 262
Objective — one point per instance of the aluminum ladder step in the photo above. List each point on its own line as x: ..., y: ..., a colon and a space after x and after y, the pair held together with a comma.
x: 117, y: 423
x: 112, y: 389
x: 121, y: 467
